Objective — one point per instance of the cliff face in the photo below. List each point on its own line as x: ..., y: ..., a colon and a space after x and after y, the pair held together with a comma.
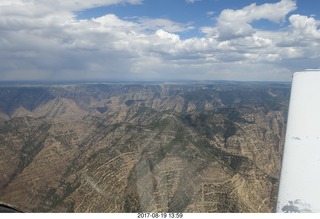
x: 213, y: 147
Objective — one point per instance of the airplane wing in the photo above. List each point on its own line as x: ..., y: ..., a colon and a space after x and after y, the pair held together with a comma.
x: 299, y: 189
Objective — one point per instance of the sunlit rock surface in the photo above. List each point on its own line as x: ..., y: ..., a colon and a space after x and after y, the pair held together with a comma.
x: 184, y: 147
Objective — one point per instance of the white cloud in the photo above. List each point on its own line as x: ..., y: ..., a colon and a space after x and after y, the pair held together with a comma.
x: 44, y: 40
x: 192, y: 1
x: 167, y: 36
x: 305, y: 26
x: 165, y: 24
x: 236, y: 23
x: 275, y: 12
x: 54, y: 5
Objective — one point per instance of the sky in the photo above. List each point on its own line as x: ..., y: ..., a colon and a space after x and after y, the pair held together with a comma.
x: 147, y: 40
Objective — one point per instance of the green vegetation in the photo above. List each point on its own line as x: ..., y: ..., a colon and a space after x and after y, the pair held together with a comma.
x: 178, y: 138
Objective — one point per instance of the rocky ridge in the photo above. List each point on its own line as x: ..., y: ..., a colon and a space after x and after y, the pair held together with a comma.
x: 186, y: 147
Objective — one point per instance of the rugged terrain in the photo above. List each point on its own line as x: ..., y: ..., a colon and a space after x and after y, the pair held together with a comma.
x: 165, y: 147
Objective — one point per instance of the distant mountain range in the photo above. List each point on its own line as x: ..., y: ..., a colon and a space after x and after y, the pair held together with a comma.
x: 163, y: 147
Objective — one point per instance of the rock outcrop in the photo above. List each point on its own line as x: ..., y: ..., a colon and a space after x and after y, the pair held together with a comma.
x: 192, y: 147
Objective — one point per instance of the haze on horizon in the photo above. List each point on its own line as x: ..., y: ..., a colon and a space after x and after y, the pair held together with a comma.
x: 157, y: 39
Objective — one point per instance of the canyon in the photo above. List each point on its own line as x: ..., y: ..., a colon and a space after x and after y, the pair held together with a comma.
x: 142, y: 147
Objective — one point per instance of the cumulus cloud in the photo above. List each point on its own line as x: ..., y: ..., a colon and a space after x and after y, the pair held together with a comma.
x: 44, y: 40
x: 305, y: 26
x: 236, y: 23
x: 167, y: 36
